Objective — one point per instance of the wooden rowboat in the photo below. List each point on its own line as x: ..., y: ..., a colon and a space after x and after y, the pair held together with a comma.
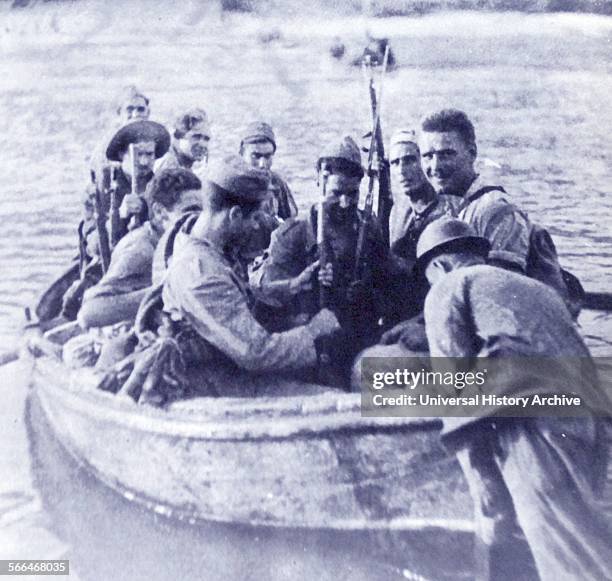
x: 305, y: 462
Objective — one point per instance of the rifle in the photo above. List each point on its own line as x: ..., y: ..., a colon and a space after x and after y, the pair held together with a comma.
x: 135, y: 219
x: 115, y: 219
x: 375, y: 137
x: 385, y: 199
x: 324, y: 292
x: 103, y: 242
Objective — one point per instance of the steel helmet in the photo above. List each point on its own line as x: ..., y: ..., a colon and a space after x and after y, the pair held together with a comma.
x: 447, y: 235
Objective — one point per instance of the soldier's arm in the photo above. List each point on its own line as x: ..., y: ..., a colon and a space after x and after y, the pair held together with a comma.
x: 286, y: 271
x: 218, y: 311
x: 447, y: 320
x: 506, y: 228
x: 287, y: 206
x: 118, y: 294
x: 103, y: 310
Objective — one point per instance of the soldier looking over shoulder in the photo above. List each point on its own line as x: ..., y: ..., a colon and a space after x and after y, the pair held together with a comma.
x: 447, y: 142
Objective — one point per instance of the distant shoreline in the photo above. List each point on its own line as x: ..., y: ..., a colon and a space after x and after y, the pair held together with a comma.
x: 387, y: 8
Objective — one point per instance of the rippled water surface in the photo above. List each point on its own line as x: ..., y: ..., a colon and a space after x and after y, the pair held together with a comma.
x: 537, y: 87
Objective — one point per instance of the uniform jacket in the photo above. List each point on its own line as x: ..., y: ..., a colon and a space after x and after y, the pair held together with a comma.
x: 203, y: 289
x: 481, y: 310
x: 280, y: 203
x: 495, y: 218
x: 294, y: 247
x: 405, y: 225
x: 131, y: 264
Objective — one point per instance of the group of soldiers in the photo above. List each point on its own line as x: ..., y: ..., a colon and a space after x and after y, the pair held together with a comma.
x: 216, y: 281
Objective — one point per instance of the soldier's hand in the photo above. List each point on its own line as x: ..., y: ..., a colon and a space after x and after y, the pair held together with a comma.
x: 393, y: 335
x: 303, y: 281
x: 132, y: 204
x: 326, y: 275
x: 324, y: 323
x: 356, y: 292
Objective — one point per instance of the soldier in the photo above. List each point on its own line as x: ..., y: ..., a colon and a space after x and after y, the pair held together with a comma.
x: 150, y: 141
x: 207, y: 299
x: 117, y: 296
x: 538, y: 474
x: 257, y: 148
x: 447, y: 142
x: 190, y: 142
x: 415, y: 203
x: 132, y: 105
x: 294, y: 254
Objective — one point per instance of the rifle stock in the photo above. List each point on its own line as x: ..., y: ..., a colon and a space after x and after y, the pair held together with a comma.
x: 115, y: 220
x: 385, y: 200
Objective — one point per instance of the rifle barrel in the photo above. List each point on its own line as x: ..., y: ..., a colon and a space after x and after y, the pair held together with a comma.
x: 103, y: 243
x: 134, y: 220
x: 376, y: 146
x: 324, y: 292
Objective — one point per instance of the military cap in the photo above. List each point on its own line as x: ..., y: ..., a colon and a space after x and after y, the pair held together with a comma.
x: 403, y: 136
x: 346, y: 150
x: 137, y: 132
x: 256, y: 132
x: 188, y: 120
x: 448, y: 235
x: 239, y: 179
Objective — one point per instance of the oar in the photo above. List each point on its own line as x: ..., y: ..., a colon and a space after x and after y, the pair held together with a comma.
x: 597, y: 301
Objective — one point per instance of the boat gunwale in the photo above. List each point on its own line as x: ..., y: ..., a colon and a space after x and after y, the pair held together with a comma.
x: 223, y: 418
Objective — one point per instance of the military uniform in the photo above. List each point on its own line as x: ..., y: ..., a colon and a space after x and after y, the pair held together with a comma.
x: 495, y: 218
x: 535, y: 474
x: 280, y: 203
x: 406, y: 225
x: 207, y: 300
x: 203, y: 290
x: 516, y: 242
x: 131, y: 264
x: 173, y: 159
x: 294, y: 247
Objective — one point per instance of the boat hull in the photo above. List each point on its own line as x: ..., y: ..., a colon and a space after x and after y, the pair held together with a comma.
x: 287, y: 461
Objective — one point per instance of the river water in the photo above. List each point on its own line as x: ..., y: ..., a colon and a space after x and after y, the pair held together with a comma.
x: 536, y: 86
